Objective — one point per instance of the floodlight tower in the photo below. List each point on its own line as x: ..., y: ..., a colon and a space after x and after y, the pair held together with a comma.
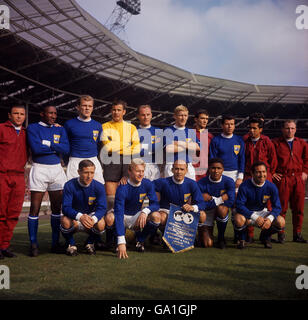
x: 121, y: 15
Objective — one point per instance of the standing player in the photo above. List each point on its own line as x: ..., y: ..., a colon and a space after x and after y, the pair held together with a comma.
x: 258, y: 148
x: 83, y: 133
x: 201, y: 121
x: 129, y: 211
x: 84, y: 208
x: 219, y: 193
x: 180, y: 191
x: 120, y: 142
x: 179, y: 142
x: 13, y: 157
x: 290, y: 177
x: 47, y: 143
x: 251, y: 206
x: 148, y: 141
x: 231, y: 149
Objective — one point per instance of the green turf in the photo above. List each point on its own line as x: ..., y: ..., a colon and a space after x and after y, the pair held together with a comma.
x: 253, y: 273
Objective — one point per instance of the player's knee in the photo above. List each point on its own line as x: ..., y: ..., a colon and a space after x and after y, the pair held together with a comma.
x: 100, y: 226
x: 66, y: 222
x: 239, y: 220
x: 163, y: 218
x: 280, y: 222
x: 109, y: 219
x: 155, y: 217
x: 222, y: 211
x: 202, y: 216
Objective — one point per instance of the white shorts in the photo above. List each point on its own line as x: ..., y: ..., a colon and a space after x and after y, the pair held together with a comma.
x: 264, y: 213
x: 233, y: 175
x: 151, y: 171
x: 129, y: 221
x: 81, y: 227
x: 72, y: 168
x: 46, y: 177
x: 191, y: 172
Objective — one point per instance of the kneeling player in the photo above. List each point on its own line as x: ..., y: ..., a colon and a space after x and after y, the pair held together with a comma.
x: 179, y: 190
x: 84, y: 208
x: 128, y: 209
x: 219, y: 193
x: 251, y: 206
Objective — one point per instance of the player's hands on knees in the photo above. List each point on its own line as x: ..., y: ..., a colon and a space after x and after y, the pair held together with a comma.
x: 142, y: 220
x: 87, y: 221
x: 260, y: 222
x: 122, y: 254
x: 187, y: 207
x: 224, y: 197
x: 267, y: 223
x: 207, y: 197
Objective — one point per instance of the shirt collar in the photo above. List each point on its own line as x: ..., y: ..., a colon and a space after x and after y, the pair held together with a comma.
x: 134, y: 184
x: 45, y: 124
x: 144, y: 127
x: 257, y: 185
x: 179, y: 128
x: 214, y: 180
x: 228, y: 137
x: 177, y: 182
x: 81, y: 184
x: 84, y: 120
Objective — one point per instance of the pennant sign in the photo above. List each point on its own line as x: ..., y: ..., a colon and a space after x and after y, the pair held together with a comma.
x: 181, y: 229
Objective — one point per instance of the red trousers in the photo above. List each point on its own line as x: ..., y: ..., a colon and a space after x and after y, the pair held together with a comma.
x: 292, y: 189
x: 12, y: 191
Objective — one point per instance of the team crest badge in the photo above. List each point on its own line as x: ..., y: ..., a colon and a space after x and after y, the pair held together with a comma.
x: 186, y: 197
x: 237, y: 149
x: 142, y: 197
x: 95, y: 134
x: 266, y: 198
x: 222, y: 192
x: 91, y: 200
x: 56, y: 138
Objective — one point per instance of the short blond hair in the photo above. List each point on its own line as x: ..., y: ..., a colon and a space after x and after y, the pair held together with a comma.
x: 86, y: 98
x: 180, y: 108
x: 136, y: 162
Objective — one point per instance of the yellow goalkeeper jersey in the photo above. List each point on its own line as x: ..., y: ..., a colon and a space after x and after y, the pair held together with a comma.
x: 121, y: 137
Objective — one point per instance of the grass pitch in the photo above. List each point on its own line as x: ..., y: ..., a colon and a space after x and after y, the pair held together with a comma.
x: 198, y: 274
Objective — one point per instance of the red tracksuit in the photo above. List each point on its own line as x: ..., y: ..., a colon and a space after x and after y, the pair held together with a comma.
x: 291, y: 164
x: 197, y: 165
x: 263, y: 150
x: 13, y: 157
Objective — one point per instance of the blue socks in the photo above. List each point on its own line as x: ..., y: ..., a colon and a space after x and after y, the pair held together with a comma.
x: 148, y: 230
x: 221, y: 226
x: 55, y: 228
x: 32, y: 228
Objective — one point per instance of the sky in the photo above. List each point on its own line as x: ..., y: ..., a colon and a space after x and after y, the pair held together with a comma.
x: 249, y: 41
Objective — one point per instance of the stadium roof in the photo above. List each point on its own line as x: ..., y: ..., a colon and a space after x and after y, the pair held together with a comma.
x: 54, y: 51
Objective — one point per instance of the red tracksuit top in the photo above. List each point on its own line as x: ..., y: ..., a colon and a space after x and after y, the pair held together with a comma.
x: 291, y: 162
x: 13, y: 149
x: 262, y: 150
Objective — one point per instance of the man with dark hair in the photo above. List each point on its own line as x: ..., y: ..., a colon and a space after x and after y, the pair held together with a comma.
x: 258, y: 148
x: 290, y: 177
x: 120, y: 143
x: 13, y: 158
x: 219, y: 194
x: 84, y: 209
x: 201, y: 120
x: 231, y: 149
x: 251, y: 206
x: 48, y: 143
